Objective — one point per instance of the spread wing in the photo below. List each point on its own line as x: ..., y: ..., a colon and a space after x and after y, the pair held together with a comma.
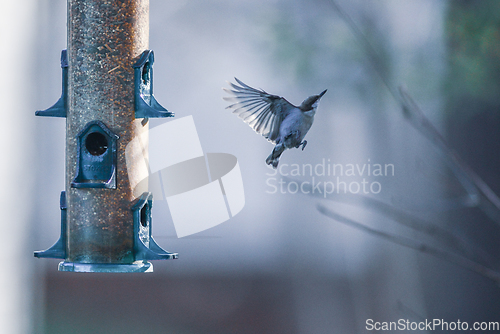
x: 262, y: 111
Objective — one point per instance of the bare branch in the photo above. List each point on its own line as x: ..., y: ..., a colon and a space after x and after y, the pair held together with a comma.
x: 365, y: 44
x: 419, y: 246
x: 432, y: 230
x: 479, y: 192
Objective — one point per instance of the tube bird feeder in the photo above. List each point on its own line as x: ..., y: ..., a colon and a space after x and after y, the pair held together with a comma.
x: 107, y: 99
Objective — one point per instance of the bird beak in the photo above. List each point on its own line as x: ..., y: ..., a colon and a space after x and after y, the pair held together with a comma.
x: 322, y: 93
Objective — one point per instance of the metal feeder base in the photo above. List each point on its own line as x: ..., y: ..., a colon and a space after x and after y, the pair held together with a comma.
x: 136, y: 267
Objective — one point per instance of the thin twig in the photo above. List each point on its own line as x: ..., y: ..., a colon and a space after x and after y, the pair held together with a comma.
x: 420, y: 246
x: 366, y: 45
x: 479, y: 192
x: 449, y: 238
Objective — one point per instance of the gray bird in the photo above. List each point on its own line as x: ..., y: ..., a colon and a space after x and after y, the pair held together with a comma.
x: 279, y: 121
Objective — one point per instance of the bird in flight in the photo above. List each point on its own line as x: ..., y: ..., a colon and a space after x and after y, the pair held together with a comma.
x: 272, y: 116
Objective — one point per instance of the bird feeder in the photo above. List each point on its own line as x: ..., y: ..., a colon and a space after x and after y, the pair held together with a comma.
x: 107, y: 99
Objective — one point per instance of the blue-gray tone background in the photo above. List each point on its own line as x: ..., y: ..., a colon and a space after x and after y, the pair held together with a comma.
x: 279, y: 266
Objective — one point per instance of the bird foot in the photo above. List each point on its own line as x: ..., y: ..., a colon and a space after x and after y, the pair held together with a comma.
x: 304, y: 143
x: 272, y: 162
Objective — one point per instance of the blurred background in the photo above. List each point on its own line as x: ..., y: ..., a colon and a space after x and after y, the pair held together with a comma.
x: 280, y: 265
